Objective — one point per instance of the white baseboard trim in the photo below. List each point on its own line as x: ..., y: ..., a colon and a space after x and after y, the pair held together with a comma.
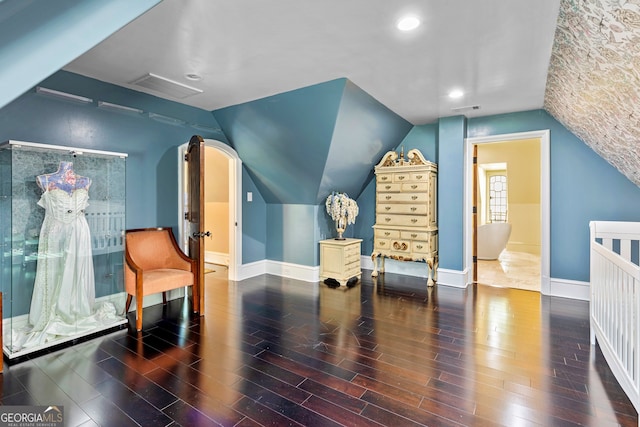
x: 216, y: 258
x: 252, y: 269
x: 294, y: 271
x: 455, y: 278
x: 573, y: 289
x: 279, y: 268
x: 446, y: 277
x: 414, y: 269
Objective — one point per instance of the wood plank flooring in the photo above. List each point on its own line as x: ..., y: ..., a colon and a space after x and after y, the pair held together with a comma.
x: 272, y: 351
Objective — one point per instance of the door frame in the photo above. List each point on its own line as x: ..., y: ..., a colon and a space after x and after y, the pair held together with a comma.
x: 235, y: 202
x: 545, y: 200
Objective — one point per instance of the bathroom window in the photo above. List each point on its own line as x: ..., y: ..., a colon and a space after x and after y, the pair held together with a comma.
x: 497, y: 197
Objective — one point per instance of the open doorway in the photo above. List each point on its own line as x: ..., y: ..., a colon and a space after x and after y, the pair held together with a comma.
x: 527, y: 214
x: 508, y: 214
x: 222, y: 206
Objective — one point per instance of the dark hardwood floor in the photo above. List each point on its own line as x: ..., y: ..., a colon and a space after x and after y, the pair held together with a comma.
x: 274, y: 351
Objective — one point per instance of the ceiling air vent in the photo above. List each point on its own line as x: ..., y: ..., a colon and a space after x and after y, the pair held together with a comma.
x: 465, y: 108
x: 166, y: 86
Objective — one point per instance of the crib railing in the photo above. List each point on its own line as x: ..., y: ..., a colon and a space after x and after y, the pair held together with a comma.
x: 615, y: 300
x: 107, y: 223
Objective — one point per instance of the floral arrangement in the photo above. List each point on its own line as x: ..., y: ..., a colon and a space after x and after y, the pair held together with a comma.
x: 341, y: 205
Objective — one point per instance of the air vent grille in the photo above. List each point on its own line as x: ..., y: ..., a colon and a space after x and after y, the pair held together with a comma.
x: 465, y: 108
x: 166, y: 86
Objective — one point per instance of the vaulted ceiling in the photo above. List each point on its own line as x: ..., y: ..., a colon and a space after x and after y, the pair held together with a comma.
x: 578, y: 59
x: 593, y: 86
x: 496, y: 51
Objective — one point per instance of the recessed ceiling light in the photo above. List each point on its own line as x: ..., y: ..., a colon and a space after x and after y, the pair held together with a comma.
x: 456, y: 93
x: 193, y: 76
x: 408, y: 23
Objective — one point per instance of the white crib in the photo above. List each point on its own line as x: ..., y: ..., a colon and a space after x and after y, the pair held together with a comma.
x: 107, y: 223
x: 615, y: 300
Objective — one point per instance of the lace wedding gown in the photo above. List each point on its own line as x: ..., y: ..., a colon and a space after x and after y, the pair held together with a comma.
x: 64, y: 289
x: 62, y: 304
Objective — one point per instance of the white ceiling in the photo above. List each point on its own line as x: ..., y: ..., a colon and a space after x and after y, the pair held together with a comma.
x: 497, y: 51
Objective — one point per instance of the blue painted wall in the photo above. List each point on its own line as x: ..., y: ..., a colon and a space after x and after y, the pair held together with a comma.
x: 299, y: 146
x: 283, y: 140
x: 151, y: 184
x: 451, y: 134
x: 584, y: 187
x: 40, y: 37
x: 425, y: 139
x: 291, y: 234
x: 254, y: 222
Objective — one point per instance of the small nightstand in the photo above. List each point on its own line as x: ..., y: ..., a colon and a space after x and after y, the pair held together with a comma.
x: 340, y: 260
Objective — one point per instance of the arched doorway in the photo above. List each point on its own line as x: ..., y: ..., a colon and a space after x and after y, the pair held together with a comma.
x: 234, y: 217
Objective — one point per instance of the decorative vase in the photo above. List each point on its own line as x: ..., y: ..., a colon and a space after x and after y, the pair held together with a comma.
x: 341, y: 225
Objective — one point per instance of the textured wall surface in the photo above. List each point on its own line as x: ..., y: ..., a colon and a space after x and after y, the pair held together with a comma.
x: 593, y: 85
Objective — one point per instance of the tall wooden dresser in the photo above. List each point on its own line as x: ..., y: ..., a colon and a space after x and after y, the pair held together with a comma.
x: 406, y: 227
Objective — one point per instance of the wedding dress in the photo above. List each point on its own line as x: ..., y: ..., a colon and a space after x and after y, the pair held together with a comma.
x: 64, y: 288
x: 62, y: 304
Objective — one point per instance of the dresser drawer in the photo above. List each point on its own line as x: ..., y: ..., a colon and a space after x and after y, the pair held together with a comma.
x: 352, y: 249
x: 349, y: 258
x: 416, y: 235
x: 387, y: 234
x: 401, y: 177
x: 402, y: 197
x: 415, y: 187
x: 402, y: 209
x: 421, y: 247
x: 400, y: 245
x: 384, y: 178
x: 353, y: 267
x: 406, y: 220
x: 420, y: 176
x: 382, y: 244
x: 389, y: 187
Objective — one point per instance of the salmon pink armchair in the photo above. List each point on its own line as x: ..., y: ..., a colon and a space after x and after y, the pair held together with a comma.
x: 155, y: 263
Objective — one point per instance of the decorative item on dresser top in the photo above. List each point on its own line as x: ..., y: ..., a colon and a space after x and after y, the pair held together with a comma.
x: 406, y: 227
x: 340, y: 257
x: 343, y: 210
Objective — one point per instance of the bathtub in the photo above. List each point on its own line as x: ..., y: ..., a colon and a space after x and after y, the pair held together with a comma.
x: 492, y: 239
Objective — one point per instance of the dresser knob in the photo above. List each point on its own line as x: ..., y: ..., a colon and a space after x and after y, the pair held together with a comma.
x: 388, y: 197
x: 387, y: 219
x: 419, y: 176
x: 386, y: 233
x: 419, y: 246
x: 414, y: 186
x: 414, y: 197
x: 387, y: 208
x: 414, y: 235
x: 413, y: 208
x: 414, y: 220
x: 387, y: 187
x: 384, y: 178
